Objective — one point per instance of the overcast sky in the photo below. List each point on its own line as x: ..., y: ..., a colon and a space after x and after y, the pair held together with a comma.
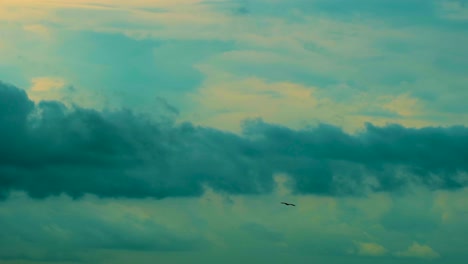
x: 169, y: 131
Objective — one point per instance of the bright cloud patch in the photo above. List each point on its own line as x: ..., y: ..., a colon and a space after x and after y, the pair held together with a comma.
x: 46, y: 84
x: 46, y: 88
x: 419, y: 251
x: 371, y: 249
x: 38, y: 29
x: 227, y: 105
x: 224, y: 104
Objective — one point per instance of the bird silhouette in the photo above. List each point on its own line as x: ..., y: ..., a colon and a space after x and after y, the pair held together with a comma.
x: 288, y: 204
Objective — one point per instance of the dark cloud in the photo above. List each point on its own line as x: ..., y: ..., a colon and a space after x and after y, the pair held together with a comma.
x: 48, y: 149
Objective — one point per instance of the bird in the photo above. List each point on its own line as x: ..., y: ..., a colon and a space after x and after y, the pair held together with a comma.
x: 288, y: 204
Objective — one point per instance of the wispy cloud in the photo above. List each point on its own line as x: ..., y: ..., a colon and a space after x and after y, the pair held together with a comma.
x: 419, y: 251
x: 313, y: 45
x: 454, y: 9
x: 224, y: 101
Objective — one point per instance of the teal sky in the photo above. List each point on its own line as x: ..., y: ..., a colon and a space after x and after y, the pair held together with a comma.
x: 169, y: 131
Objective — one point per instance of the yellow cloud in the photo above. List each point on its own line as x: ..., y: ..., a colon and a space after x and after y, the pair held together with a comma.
x: 370, y: 249
x: 55, y: 88
x: 46, y: 88
x: 224, y: 101
x: 403, y: 105
x: 189, y: 19
x: 98, y: 3
x: 451, y: 205
x: 16, y: 11
x: 38, y: 29
x: 419, y: 251
x: 46, y: 84
x: 231, y: 102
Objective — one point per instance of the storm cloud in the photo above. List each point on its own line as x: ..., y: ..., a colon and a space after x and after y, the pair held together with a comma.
x: 49, y: 149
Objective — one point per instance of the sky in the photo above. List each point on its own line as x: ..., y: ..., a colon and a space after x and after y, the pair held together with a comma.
x: 169, y: 131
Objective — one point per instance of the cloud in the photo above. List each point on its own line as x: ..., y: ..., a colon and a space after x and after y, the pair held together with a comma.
x: 178, y: 14
x: 227, y: 104
x: 410, y: 218
x: 49, y: 149
x: 153, y: 68
x: 403, y: 105
x: 360, y: 45
x: 46, y: 88
x: 456, y: 10
x: 44, y: 84
x: 371, y: 249
x: 224, y: 101
x: 217, y: 225
x: 419, y: 251
x: 41, y: 228
x: 38, y: 29
x: 101, y: 3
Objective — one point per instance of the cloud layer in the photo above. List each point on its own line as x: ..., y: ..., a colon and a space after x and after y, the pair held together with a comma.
x: 218, y: 227
x: 49, y: 149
